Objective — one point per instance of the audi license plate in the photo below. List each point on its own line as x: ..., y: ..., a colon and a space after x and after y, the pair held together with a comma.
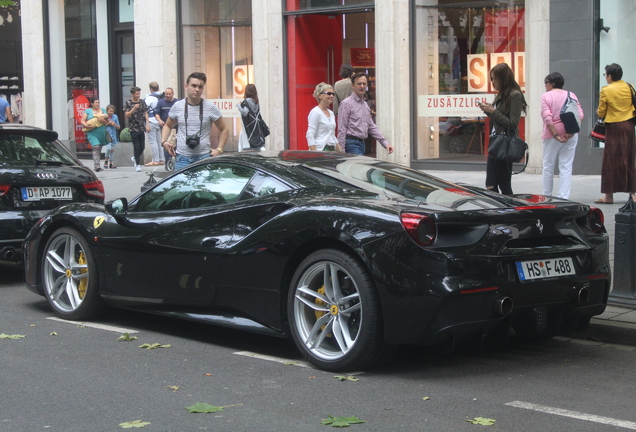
x: 47, y: 193
x: 541, y: 269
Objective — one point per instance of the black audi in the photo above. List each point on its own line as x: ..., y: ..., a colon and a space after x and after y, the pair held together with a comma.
x: 37, y: 174
x: 349, y: 256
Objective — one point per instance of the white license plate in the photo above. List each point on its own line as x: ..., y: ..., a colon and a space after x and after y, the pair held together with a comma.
x: 47, y: 193
x: 541, y: 269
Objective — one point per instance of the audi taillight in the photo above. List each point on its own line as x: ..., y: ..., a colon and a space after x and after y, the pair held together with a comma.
x: 596, y: 220
x: 419, y: 227
x: 4, y: 189
x: 94, y: 188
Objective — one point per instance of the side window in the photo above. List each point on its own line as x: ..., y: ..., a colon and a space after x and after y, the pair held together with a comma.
x: 206, y: 185
x: 261, y: 185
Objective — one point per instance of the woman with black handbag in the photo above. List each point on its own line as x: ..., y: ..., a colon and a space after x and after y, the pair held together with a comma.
x: 560, y: 133
x: 255, y: 130
x: 504, y: 113
x: 618, y: 171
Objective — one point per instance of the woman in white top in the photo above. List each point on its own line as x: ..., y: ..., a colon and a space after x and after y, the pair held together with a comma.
x: 321, y: 131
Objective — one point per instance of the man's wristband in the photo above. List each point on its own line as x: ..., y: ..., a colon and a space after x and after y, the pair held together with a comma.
x: 219, y: 149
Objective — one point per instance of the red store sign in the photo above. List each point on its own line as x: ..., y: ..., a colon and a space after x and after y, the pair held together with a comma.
x: 362, y: 57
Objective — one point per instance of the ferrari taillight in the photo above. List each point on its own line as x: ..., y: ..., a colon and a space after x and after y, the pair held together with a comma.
x: 4, y: 189
x: 94, y: 188
x: 420, y: 228
x: 596, y: 220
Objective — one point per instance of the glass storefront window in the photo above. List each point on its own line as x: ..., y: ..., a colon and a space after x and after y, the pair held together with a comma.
x: 296, y: 5
x: 217, y: 40
x: 11, y: 80
x: 456, y: 45
x: 81, y: 59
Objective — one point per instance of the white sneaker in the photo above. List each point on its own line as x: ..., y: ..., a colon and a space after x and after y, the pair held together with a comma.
x: 138, y: 168
x: 132, y: 158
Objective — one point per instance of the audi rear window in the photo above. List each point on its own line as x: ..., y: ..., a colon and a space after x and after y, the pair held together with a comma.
x: 21, y: 149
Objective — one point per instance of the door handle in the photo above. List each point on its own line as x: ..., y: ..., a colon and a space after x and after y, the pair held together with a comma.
x: 209, y: 241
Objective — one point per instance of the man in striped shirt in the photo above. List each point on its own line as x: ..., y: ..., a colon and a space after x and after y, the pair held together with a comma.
x: 354, y: 119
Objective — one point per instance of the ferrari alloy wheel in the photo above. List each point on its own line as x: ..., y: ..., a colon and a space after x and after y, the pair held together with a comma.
x: 69, y: 276
x: 334, y: 312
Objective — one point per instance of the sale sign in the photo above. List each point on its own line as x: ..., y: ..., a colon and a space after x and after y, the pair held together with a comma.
x: 362, y: 57
x: 479, y: 65
x: 242, y: 76
x: 80, y: 104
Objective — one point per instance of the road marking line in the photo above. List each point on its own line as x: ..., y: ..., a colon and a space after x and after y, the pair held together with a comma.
x: 95, y: 325
x: 274, y: 359
x: 288, y: 361
x: 574, y: 414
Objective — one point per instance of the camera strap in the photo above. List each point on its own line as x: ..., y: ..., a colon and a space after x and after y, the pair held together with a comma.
x: 185, y: 115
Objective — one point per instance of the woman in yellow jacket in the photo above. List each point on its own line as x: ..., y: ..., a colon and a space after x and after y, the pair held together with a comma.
x: 618, y: 172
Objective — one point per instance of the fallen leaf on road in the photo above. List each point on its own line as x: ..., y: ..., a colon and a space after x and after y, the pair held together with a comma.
x: 482, y: 421
x: 15, y: 336
x: 154, y: 346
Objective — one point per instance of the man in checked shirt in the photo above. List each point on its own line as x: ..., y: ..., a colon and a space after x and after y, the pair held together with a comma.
x: 354, y: 119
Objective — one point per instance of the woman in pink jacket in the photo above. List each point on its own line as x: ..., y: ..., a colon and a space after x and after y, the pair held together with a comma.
x: 557, y: 143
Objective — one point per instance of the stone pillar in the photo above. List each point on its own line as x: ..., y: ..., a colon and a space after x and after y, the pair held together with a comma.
x: 269, y: 70
x: 393, y: 68
x: 156, y: 56
x: 34, y: 113
x: 537, y: 67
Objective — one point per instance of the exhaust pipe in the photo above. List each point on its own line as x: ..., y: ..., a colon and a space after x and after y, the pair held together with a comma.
x: 581, y: 296
x: 8, y: 254
x: 502, y: 306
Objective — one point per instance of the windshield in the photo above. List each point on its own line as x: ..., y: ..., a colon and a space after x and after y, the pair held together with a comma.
x: 22, y: 149
x: 398, y: 182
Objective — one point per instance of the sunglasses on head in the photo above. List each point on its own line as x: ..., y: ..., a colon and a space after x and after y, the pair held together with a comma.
x: 328, y: 93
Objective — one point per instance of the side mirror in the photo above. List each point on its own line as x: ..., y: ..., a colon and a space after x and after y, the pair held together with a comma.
x: 117, y: 207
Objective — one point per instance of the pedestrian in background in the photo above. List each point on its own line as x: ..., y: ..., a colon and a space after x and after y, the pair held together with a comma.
x: 5, y: 111
x: 111, y: 129
x: 342, y: 88
x: 161, y: 115
x: 193, y: 135
x: 557, y: 143
x: 618, y: 171
x: 154, y: 136
x: 322, y: 121
x: 252, y: 136
x: 136, y: 112
x: 96, y: 136
x: 504, y: 113
x: 354, y: 119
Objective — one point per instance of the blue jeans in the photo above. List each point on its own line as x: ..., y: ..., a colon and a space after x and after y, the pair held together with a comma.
x: 354, y: 146
x: 183, y: 161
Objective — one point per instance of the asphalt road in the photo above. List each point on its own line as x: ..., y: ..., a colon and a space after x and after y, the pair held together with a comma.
x: 65, y: 376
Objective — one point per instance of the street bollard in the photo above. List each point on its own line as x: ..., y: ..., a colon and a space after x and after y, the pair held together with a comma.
x: 624, y: 291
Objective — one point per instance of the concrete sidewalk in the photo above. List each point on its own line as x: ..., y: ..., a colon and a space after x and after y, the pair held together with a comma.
x: 125, y: 182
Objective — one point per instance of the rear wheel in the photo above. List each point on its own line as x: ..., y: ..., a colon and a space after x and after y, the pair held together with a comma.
x: 69, y: 276
x: 334, y: 312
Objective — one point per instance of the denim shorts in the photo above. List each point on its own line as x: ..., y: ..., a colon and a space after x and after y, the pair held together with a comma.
x: 182, y: 161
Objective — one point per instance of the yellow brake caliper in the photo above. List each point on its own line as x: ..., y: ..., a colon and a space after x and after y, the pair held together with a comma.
x: 81, y: 289
x: 321, y: 313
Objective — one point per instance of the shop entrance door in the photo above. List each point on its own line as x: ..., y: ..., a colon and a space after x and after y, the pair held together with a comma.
x: 124, y: 69
x: 318, y: 44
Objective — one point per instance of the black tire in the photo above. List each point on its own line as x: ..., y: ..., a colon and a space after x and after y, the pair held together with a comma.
x: 69, y: 276
x: 337, y: 328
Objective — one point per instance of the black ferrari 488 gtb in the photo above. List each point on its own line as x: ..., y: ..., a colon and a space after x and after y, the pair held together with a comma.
x: 349, y: 256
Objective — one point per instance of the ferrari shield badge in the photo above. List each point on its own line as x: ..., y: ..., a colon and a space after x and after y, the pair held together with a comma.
x: 98, y: 221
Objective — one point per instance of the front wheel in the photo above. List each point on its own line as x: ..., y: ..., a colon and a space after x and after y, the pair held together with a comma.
x: 334, y: 312
x: 69, y: 276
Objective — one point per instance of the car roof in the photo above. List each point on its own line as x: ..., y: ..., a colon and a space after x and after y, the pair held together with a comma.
x: 13, y: 128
